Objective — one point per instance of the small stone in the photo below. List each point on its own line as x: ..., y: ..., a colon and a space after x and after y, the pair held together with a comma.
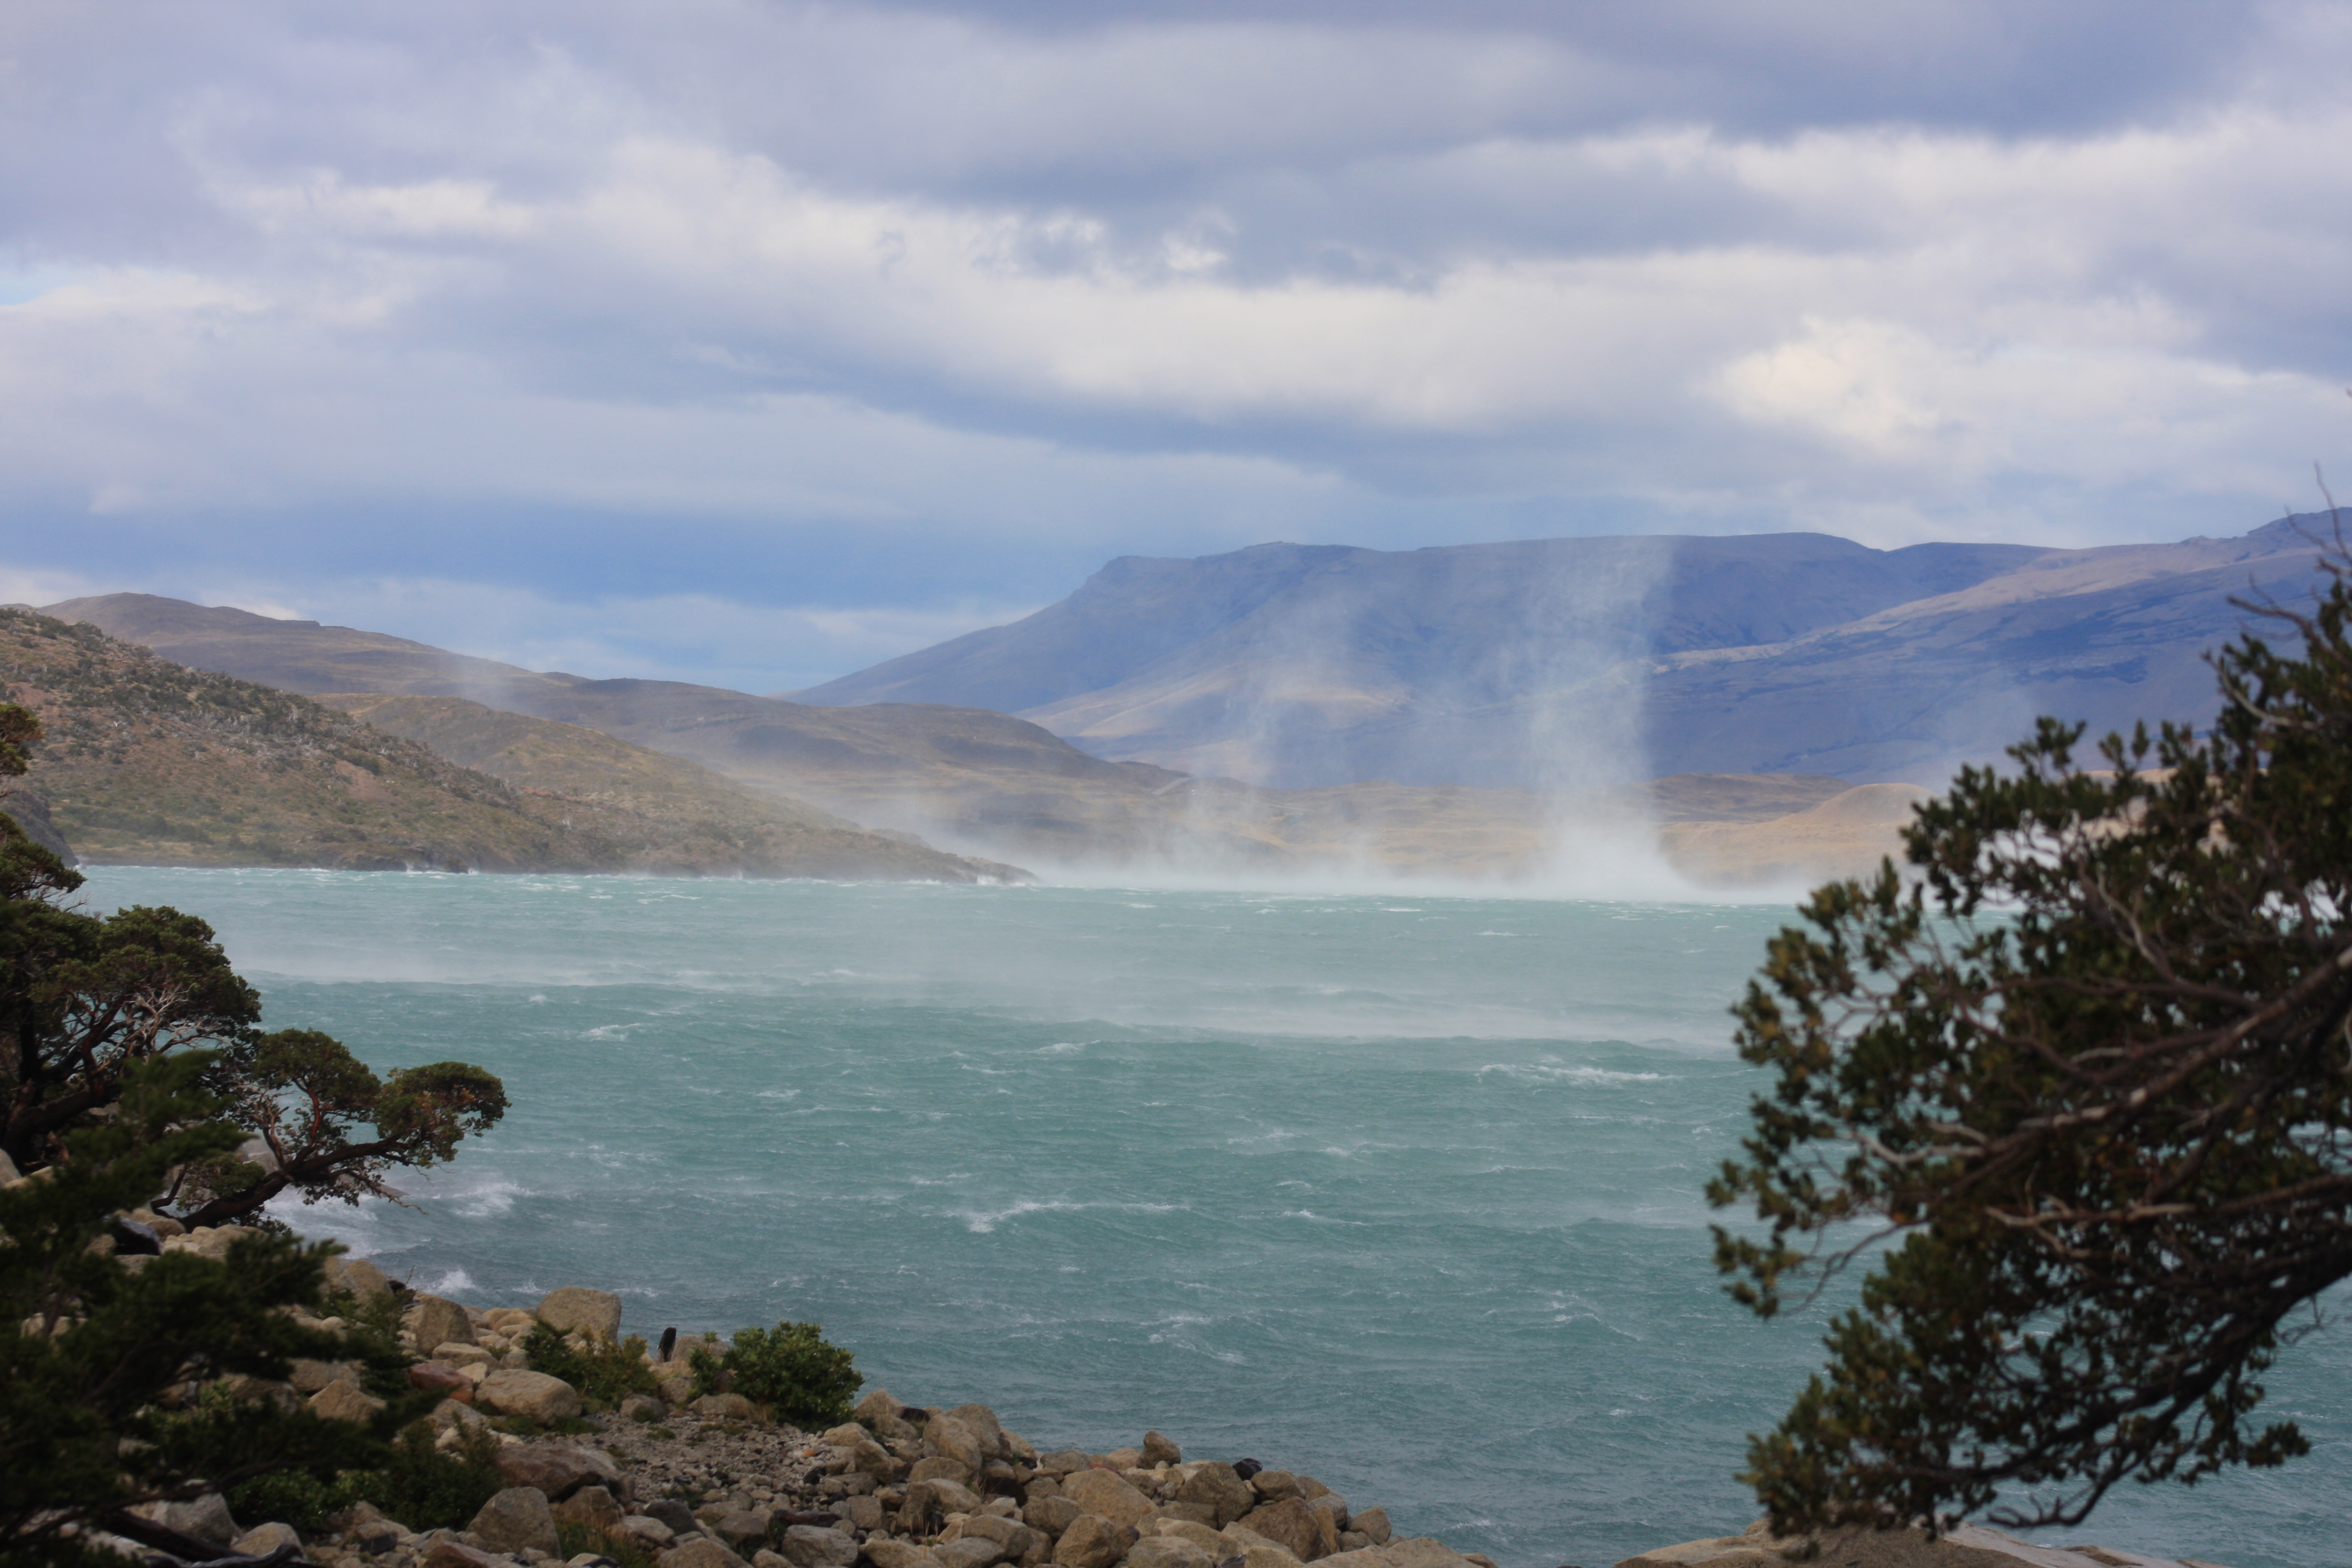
x: 592, y: 1312
x: 722, y: 1407
x: 1111, y: 1496
x: 264, y: 1538
x: 436, y: 1321
x: 515, y: 1518
x: 344, y: 1401
x: 1158, y: 1451
x: 1093, y: 1541
x: 513, y: 1392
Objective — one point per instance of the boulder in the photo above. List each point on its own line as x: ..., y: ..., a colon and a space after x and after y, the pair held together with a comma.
x: 594, y: 1312
x: 1217, y: 1488
x: 1168, y: 1552
x: 1110, y: 1496
x: 677, y: 1390
x: 643, y: 1408
x: 868, y: 1458
x: 440, y: 1376
x: 1065, y: 1461
x: 309, y: 1376
x: 592, y: 1506
x: 884, y: 1552
x: 1050, y: 1514
x: 950, y: 1438
x: 1373, y: 1523
x: 557, y: 1470
x: 764, y: 1558
x: 1158, y: 1450
x: 511, y: 1391
x: 859, y: 1513
x: 937, y: 1468
x: 1093, y: 1541
x: 516, y: 1519
x: 982, y: 1423
x: 450, y: 1552
x: 968, y: 1552
x: 437, y: 1321
x: 344, y: 1401
x: 264, y: 1538
x: 1421, y: 1552
x: 1275, y: 1485
x: 205, y: 1518
x: 722, y: 1407
x: 647, y: 1532
x: 357, y: 1276
x: 700, y: 1551
x: 746, y: 1530
x: 879, y: 1414
x: 1291, y: 1525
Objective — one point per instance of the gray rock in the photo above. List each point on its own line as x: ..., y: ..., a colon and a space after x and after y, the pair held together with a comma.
x: 594, y: 1312
x: 700, y: 1551
x: 1168, y: 1552
x: 811, y: 1546
x: 885, y: 1553
x: 982, y: 1423
x: 868, y: 1458
x: 344, y: 1401
x: 647, y: 1532
x: 1050, y: 1514
x: 764, y: 1558
x: 205, y: 1518
x: 940, y: 1467
x: 1353, y: 1541
x: 515, y: 1520
x: 357, y: 1276
x: 643, y: 1408
x: 1158, y: 1450
x: 435, y: 1320
x: 310, y: 1376
x: 1216, y: 1486
x: 950, y: 1438
x: 1110, y: 1495
x: 1421, y: 1552
x: 1374, y: 1522
x: 1065, y: 1461
x: 1290, y: 1524
x: 510, y: 1391
x: 744, y: 1529
x: 1275, y: 1485
x: 968, y: 1552
x: 264, y: 1538
x: 722, y: 1407
x: 1093, y: 1541
x: 592, y: 1506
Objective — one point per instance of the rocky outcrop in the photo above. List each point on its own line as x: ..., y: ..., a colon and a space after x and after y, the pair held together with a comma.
x: 1969, y: 1546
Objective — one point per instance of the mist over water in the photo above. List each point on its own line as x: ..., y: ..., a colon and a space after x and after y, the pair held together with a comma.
x: 1396, y: 1188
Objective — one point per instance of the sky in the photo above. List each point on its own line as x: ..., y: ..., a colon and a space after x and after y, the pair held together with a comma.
x: 755, y: 342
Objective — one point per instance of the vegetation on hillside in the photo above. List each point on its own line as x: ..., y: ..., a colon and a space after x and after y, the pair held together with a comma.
x: 2081, y: 1091
x: 151, y: 763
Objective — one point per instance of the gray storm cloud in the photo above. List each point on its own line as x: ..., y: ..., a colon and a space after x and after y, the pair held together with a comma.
x: 650, y: 305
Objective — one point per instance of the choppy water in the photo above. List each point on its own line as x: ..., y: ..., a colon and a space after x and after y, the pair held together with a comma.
x: 1400, y: 1192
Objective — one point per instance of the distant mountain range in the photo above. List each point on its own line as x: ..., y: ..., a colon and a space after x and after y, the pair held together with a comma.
x: 1564, y: 663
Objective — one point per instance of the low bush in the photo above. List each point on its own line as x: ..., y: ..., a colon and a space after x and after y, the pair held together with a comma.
x: 422, y: 1486
x: 604, y: 1373
x: 791, y: 1369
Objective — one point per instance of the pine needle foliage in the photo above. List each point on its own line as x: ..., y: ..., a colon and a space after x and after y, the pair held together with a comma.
x: 2081, y: 1089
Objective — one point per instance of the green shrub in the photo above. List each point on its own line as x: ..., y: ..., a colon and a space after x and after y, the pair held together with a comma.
x: 420, y: 1487
x: 604, y: 1373
x: 791, y: 1369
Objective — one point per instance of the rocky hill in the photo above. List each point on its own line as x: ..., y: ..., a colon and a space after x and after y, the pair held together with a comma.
x: 1557, y: 663
x: 148, y: 762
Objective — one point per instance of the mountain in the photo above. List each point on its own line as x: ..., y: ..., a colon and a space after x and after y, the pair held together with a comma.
x: 148, y: 762
x: 1565, y: 663
x: 980, y: 780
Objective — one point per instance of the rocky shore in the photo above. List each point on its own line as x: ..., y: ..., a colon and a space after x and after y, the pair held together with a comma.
x: 682, y: 1479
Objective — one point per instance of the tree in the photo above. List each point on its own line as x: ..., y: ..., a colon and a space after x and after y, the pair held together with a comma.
x: 85, y: 1000
x: 2083, y: 1094
x: 100, y: 1365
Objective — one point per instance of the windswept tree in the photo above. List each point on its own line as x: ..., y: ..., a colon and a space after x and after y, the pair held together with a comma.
x: 86, y: 1000
x: 2081, y: 1093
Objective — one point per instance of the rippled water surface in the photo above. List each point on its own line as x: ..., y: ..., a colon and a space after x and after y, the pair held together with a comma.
x: 1401, y: 1192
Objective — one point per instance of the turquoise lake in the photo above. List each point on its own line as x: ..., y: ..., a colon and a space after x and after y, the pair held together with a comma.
x: 1400, y: 1191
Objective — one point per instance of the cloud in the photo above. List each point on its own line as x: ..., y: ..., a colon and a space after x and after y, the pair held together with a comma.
x: 901, y: 312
